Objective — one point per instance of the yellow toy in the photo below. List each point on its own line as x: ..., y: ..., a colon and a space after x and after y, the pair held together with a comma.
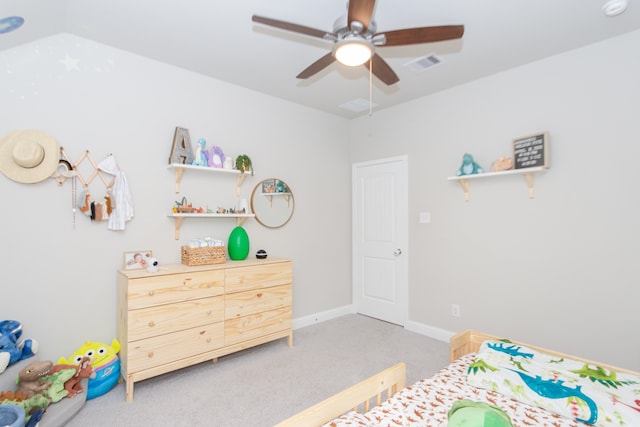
x: 104, y: 361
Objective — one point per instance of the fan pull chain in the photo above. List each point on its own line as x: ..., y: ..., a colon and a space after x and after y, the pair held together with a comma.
x: 371, y: 86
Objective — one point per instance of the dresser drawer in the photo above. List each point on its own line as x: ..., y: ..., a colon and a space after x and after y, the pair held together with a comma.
x: 257, y: 325
x: 163, y: 319
x: 155, y: 351
x: 251, y: 302
x: 258, y: 276
x: 152, y: 291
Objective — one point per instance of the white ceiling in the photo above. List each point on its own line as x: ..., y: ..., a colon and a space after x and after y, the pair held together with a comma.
x: 219, y: 39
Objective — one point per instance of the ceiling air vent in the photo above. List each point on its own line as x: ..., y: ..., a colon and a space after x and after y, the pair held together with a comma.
x: 423, y: 63
x: 357, y: 105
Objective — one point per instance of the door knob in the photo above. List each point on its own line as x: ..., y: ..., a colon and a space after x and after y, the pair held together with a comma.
x: 397, y: 252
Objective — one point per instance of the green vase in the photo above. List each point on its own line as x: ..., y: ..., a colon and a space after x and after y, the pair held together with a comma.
x: 238, y: 245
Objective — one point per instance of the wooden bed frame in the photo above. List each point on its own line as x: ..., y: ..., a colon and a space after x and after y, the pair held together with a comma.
x: 385, y: 384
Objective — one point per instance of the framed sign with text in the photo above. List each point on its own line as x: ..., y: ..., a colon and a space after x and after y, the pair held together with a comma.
x: 531, y: 151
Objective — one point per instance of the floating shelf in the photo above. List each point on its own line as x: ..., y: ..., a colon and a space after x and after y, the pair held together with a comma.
x: 270, y: 196
x: 180, y: 168
x: 179, y: 218
x: 527, y: 172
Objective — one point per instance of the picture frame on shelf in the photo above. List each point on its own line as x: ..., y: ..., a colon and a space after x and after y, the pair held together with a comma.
x: 269, y: 186
x: 531, y: 151
x: 136, y: 260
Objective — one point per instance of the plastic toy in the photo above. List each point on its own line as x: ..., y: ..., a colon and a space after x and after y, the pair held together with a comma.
x: 12, y: 350
x: 469, y: 166
x: 105, y: 363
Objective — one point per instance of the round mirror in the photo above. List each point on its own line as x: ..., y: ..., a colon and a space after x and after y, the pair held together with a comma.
x: 272, y: 203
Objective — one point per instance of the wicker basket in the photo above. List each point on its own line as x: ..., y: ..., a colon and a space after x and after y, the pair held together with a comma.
x: 204, y: 256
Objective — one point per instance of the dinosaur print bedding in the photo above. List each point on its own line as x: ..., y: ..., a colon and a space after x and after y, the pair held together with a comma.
x: 573, y: 389
x: 427, y: 402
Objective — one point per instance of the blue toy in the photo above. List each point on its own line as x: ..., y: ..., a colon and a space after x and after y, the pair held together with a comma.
x: 12, y: 350
x: 469, y: 166
x: 200, y: 159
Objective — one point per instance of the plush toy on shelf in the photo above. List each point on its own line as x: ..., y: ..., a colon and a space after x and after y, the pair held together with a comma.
x: 12, y: 350
x: 200, y: 159
x: 469, y: 166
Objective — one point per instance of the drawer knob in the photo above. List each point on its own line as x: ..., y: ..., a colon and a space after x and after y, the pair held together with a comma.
x: 151, y: 292
x: 150, y: 354
x: 152, y: 323
x: 208, y: 312
x: 203, y: 332
x: 186, y: 281
x: 208, y: 340
x: 260, y: 295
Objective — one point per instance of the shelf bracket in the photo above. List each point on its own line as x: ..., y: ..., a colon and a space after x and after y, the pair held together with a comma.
x: 464, y: 183
x: 179, y: 172
x: 239, y: 181
x: 178, y: 224
x: 529, y: 177
x: 240, y: 221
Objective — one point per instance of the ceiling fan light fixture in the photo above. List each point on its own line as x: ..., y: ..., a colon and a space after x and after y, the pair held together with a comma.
x: 353, y: 51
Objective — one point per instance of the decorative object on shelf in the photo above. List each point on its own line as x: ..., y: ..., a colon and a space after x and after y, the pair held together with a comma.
x: 216, y: 157
x: 531, y: 151
x: 272, y: 203
x: 261, y: 254
x: 228, y: 163
x: 469, y: 166
x: 29, y: 156
x: 152, y: 265
x: 243, y: 163
x: 136, y: 260
x: 243, y: 206
x: 181, y: 152
x: 503, y: 163
x: 200, y: 158
x: 238, y: 245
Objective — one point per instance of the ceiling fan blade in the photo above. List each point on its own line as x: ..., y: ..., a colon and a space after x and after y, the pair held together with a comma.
x: 382, y: 70
x: 291, y: 27
x: 423, y: 35
x: 361, y: 11
x: 317, y: 66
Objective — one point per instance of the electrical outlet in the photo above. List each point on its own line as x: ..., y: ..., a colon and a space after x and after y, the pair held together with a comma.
x: 455, y: 310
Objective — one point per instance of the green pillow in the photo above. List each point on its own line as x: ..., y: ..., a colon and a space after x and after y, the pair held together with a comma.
x: 467, y: 413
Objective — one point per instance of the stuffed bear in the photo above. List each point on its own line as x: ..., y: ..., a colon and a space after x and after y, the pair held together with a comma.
x: 12, y: 350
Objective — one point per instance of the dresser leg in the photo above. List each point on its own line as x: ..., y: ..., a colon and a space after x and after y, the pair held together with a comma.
x: 290, y: 339
x: 129, y: 393
x: 214, y: 360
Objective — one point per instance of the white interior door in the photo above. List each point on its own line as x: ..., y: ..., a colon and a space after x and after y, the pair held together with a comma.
x: 380, y: 236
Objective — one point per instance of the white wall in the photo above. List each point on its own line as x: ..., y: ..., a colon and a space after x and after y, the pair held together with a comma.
x: 559, y: 270
x: 60, y: 281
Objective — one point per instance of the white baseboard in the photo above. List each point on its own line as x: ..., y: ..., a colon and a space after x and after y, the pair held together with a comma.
x: 430, y: 331
x: 323, y: 316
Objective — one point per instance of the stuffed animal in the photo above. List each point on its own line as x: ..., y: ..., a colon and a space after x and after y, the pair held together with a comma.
x: 105, y: 363
x: 82, y: 370
x: 12, y: 350
x: 469, y: 166
x: 200, y: 158
x: 31, y: 378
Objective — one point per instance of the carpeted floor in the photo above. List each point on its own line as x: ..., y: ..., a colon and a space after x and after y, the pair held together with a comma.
x: 266, y: 384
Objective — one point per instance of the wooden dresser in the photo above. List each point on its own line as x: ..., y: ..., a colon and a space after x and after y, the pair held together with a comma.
x: 184, y: 315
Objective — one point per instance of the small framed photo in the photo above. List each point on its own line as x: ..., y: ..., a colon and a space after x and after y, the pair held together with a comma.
x: 269, y: 186
x: 136, y: 260
x: 531, y: 151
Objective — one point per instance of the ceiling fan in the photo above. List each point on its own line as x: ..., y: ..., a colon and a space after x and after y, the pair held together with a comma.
x: 355, y: 39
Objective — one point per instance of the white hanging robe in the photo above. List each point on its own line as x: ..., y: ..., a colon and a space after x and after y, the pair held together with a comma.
x: 123, y: 201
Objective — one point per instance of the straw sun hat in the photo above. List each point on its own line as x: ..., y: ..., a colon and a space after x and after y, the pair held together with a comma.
x: 29, y: 156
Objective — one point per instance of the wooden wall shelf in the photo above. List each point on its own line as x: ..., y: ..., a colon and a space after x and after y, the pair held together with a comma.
x: 528, y: 173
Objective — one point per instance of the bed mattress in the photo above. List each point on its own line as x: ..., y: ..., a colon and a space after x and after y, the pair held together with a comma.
x: 427, y: 402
